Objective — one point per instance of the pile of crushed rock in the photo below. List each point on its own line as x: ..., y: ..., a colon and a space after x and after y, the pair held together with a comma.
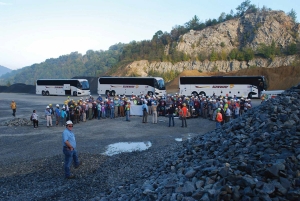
x: 254, y: 157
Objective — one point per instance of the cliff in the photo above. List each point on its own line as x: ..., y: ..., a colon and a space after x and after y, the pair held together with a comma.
x: 249, y: 31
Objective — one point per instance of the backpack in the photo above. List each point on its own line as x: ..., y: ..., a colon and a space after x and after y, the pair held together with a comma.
x: 31, y: 118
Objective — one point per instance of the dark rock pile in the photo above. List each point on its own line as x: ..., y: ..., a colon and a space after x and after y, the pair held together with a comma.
x: 255, y: 157
x: 18, y: 88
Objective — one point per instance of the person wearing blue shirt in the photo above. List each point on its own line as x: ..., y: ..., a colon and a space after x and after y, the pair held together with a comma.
x: 69, y: 150
x: 57, y: 114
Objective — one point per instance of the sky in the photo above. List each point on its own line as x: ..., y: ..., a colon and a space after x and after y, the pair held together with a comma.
x: 35, y: 30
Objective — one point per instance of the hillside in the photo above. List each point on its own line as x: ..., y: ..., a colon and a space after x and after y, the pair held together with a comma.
x: 256, y: 38
x: 277, y: 78
x: 4, y: 70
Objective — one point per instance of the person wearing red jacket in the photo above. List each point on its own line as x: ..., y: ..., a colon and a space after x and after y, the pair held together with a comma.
x: 184, y: 115
x: 219, y: 118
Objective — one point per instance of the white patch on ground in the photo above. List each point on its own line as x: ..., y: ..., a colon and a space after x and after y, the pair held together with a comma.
x: 120, y: 147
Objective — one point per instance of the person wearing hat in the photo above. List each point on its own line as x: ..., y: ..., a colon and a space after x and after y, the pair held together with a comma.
x: 219, y: 118
x: 69, y: 150
x: 48, y: 116
x: 63, y: 115
x: 57, y: 114
x: 52, y: 112
x: 121, y: 107
x: 154, y: 112
x: 13, y: 106
x: 35, y: 120
x: 127, y: 110
x: 145, y: 111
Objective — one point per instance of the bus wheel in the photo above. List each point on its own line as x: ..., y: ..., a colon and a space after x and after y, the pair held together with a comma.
x: 202, y: 93
x: 150, y: 93
x: 250, y: 95
x: 74, y: 93
x: 195, y: 93
x: 47, y: 93
x: 113, y: 93
x: 43, y: 93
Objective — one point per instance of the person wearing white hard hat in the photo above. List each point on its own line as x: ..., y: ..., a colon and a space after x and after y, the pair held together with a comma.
x: 69, y: 150
x: 48, y: 116
x: 57, y: 114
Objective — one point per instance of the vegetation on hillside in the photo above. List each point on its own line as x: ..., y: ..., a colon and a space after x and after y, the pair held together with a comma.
x: 162, y: 47
x: 93, y: 63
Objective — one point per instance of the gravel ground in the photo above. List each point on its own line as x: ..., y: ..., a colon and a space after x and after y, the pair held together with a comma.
x: 31, y: 160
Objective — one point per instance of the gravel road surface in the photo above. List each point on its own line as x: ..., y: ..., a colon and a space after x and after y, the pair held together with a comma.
x: 32, y: 160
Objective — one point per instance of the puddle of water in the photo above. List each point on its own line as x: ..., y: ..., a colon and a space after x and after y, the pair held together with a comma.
x: 120, y: 147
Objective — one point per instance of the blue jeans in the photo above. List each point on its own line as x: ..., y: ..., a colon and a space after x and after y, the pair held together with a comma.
x: 69, y: 157
x: 103, y: 114
x: 127, y: 115
x: 218, y: 124
x: 171, y: 116
x: 112, y: 113
x: 99, y: 114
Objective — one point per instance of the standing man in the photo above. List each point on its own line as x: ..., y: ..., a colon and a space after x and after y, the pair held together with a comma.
x: 219, y: 118
x: 13, y: 106
x: 154, y: 112
x: 170, y: 112
x: 48, y: 116
x: 57, y: 115
x: 184, y: 115
x: 35, y: 119
x: 145, y: 111
x: 69, y: 150
x: 127, y: 110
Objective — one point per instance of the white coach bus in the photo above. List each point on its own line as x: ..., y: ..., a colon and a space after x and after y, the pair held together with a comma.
x: 73, y: 87
x: 131, y: 85
x: 241, y: 86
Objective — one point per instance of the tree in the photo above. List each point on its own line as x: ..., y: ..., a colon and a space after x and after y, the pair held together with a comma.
x: 157, y: 35
x: 293, y: 15
x: 213, y: 56
x: 222, y: 17
x: 177, y: 31
x: 193, y: 23
x: 292, y: 49
x: 243, y: 7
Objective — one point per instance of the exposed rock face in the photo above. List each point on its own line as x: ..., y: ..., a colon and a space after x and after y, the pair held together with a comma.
x: 143, y: 67
x: 254, y: 157
x: 247, y: 31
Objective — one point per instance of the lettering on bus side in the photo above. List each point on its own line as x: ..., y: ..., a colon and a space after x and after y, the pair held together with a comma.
x: 128, y: 86
x: 220, y: 87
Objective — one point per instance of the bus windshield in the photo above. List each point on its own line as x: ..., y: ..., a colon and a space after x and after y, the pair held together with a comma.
x: 85, y: 85
x: 161, y: 84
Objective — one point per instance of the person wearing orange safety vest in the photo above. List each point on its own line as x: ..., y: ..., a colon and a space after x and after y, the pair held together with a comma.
x: 219, y: 118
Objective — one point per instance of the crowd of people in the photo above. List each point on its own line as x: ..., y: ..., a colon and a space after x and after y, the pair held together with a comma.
x: 170, y: 106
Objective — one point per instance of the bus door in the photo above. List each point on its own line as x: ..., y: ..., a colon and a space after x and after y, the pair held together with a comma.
x: 67, y: 89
